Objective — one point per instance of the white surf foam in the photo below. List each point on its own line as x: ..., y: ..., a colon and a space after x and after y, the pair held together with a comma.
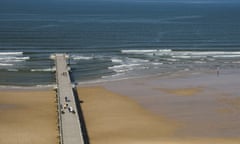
x: 135, y: 60
x: 42, y: 70
x: 226, y: 56
x: 139, y: 51
x: 127, y: 64
x: 13, y: 59
x: 115, y: 60
x: 204, y: 53
x: 80, y: 57
x: 199, y: 54
x: 182, y: 56
x: 5, y: 64
x: 50, y: 86
x: 147, y: 52
x: 10, y: 53
x: 171, y: 59
x: 112, y: 76
x: 123, y: 68
x: 155, y: 63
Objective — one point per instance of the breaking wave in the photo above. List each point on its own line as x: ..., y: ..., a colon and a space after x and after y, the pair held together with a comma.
x: 10, y: 53
x: 11, y: 58
x: 43, y: 70
x: 5, y: 64
x: 183, y: 54
x: 114, y: 60
x: 80, y: 57
x: 145, y: 51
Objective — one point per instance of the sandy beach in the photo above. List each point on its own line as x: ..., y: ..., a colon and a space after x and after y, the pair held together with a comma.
x: 199, y: 108
x: 195, y: 108
x: 28, y: 117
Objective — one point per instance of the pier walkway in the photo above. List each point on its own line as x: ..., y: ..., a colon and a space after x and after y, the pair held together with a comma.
x: 69, y: 123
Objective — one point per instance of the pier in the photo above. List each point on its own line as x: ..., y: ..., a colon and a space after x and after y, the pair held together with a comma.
x: 70, y: 130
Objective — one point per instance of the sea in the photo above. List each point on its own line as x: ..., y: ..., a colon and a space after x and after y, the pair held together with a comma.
x: 110, y: 40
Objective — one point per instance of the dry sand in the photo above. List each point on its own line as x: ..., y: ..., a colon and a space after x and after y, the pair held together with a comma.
x: 199, y: 110
x: 28, y: 117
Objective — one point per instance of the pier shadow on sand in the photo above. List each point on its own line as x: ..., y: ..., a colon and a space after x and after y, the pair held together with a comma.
x: 80, y: 113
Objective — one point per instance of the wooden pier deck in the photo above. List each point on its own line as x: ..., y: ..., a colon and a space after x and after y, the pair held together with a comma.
x: 69, y: 123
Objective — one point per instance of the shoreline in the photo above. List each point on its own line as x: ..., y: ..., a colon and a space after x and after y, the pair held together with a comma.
x: 167, y: 76
x: 182, y: 73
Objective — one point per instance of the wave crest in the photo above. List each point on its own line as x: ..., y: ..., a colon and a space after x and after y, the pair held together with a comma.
x: 81, y: 57
x: 43, y: 70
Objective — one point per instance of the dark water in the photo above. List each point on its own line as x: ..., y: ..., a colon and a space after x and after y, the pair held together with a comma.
x: 114, y: 40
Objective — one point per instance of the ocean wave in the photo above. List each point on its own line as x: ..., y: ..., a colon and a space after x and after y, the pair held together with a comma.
x: 79, y: 57
x: 138, y: 51
x: 123, y: 68
x: 48, y: 86
x: 183, y: 54
x: 207, y: 53
x: 198, y: 54
x: 155, y: 63
x: 14, y: 59
x: 112, y: 76
x: 151, y: 51
x: 226, y: 56
x: 11, y: 53
x: 115, y: 60
x: 43, y: 70
x: 183, y: 57
x: 171, y: 59
x: 6, y: 64
x: 10, y: 60
x: 136, y: 60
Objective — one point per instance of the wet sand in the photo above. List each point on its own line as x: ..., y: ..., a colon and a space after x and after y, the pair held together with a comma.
x: 113, y: 118
x: 199, y: 109
x: 28, y: 117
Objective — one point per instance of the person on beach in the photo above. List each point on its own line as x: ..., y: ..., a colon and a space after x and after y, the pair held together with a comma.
x: 70, y: 109
x: 65, y: 105
x: 66, y: 99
